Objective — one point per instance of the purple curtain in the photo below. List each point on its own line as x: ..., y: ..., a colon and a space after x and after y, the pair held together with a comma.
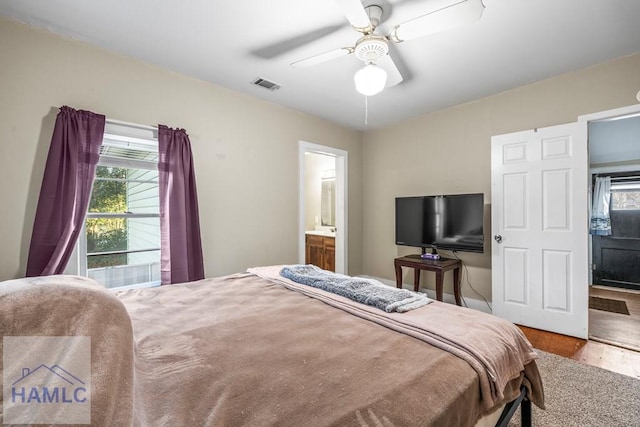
x: 66, y: 190
x: 181, y: 248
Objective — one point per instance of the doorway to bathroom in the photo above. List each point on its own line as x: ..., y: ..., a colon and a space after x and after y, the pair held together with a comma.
x: 323, y: 206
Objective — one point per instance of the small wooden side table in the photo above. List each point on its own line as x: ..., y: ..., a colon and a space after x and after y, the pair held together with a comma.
x: 439, y: 266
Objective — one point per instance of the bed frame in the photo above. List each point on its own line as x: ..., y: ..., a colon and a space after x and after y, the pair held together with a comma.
x: 511, y: 407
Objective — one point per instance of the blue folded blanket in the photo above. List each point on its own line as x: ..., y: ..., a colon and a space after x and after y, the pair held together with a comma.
x: 365, y: 291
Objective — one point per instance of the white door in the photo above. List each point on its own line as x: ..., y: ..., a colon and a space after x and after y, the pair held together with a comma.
x: 540, y: 228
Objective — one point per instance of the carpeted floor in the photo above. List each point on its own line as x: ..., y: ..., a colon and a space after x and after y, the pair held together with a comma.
x: 584, y: 396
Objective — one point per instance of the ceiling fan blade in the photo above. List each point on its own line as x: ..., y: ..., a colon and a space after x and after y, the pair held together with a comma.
x: 355, y: 13
x: 284, y: 46
x: 323, y: 57
x: 454, y: 14
x: 393, y: 74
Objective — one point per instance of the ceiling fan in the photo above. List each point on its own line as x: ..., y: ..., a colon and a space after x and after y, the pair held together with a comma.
x: 373, y: 49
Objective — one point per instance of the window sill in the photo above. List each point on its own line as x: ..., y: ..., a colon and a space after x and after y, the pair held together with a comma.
x: 136, y: 286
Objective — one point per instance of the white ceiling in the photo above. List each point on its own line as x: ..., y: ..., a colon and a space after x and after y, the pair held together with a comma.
x: 232, y: 42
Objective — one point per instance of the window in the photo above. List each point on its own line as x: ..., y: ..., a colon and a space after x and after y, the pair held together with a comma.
x: 120, y: 245
x: 625, y: 195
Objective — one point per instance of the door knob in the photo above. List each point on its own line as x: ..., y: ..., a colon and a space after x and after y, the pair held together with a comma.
x: 497, y: 238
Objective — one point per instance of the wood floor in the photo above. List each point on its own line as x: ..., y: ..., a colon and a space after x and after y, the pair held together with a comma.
x: 612, y: 358
x: 609, y: 327
x: 614, y: 328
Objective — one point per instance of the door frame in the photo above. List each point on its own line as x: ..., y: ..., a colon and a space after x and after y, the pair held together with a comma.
x: 341, y: 157
x: 615, y: 114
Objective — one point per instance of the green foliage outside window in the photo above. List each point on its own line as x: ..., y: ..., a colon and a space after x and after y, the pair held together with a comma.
x: 107, y: 234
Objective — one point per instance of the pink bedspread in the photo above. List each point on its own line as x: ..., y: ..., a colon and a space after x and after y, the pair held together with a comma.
x: 495, y: 348
x: 242, y: 350
x: 61, y: 306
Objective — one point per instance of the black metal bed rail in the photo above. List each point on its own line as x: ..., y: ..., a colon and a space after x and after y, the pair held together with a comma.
x: 510, y: 409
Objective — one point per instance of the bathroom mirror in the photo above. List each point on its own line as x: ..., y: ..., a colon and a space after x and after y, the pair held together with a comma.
x: 328, y: 202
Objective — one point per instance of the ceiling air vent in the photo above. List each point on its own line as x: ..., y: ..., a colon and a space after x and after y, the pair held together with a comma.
x: 266, y: 84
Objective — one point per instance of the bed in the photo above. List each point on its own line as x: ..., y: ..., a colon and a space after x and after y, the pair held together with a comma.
x: 255, y: 349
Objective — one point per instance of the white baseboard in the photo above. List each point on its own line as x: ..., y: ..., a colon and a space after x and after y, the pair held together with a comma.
x: 473, y: 303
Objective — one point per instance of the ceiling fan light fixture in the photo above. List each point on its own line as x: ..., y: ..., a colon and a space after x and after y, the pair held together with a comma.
x: 370, y: 80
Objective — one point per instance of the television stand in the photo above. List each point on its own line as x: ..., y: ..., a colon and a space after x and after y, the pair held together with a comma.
x: 439, y: 266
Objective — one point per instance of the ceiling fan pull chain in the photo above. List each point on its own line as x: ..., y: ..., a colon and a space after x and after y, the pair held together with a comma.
x: 366, y: 109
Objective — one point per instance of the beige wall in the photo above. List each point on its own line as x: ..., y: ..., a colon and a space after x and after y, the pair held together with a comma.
x: 245, y: 149
x: 247, y: 169
x: 448, y: 151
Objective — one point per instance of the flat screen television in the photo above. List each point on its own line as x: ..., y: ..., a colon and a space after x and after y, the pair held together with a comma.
x: 452, y: 222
